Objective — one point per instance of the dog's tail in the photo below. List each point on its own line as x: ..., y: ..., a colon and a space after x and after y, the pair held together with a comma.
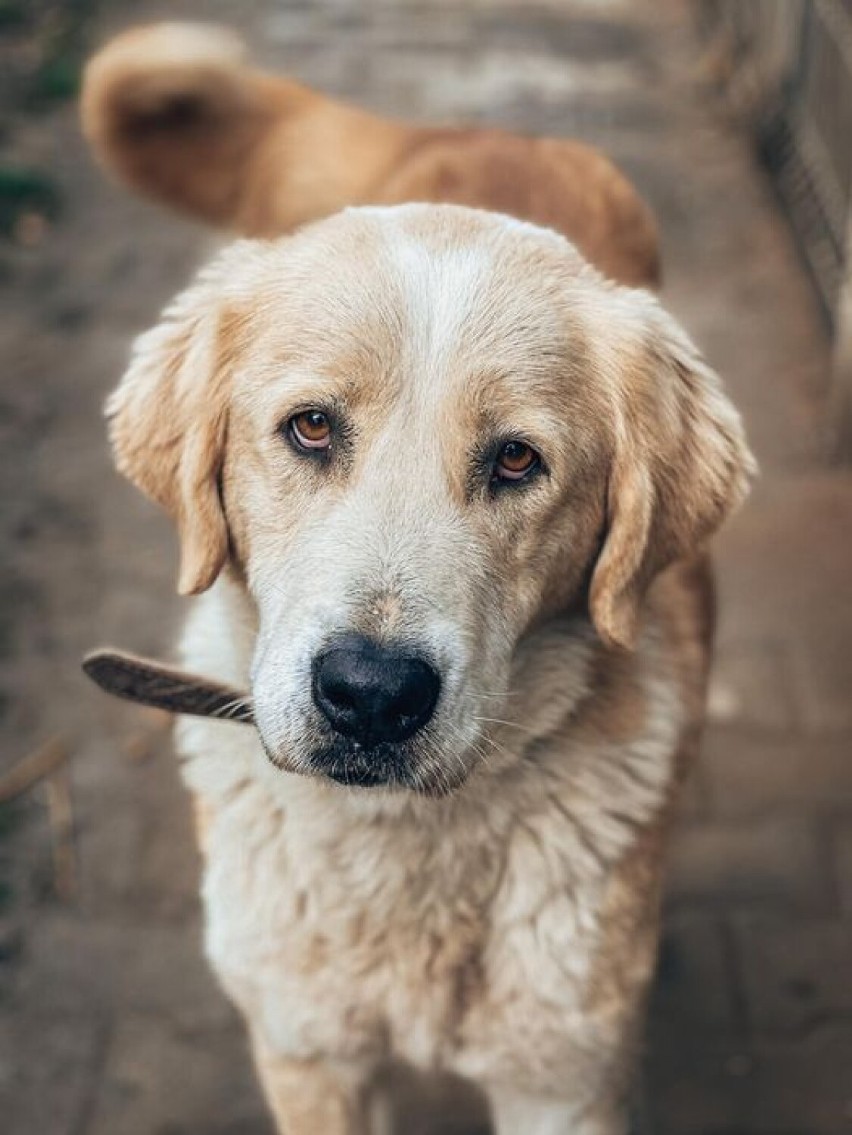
x: 172, y: 111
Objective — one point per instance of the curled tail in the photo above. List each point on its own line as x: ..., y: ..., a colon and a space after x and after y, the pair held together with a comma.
x: 173, y: 111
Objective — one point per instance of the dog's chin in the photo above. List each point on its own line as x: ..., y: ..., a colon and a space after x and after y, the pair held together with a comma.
x: 388, y: 767
x: 383, y: 767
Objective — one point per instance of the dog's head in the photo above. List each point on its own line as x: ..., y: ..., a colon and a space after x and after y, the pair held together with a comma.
x: 416, y: 433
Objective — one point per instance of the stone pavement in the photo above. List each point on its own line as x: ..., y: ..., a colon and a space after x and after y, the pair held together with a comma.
x: 109, y: 1022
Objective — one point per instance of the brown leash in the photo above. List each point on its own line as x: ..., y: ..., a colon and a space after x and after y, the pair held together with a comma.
x: 152, y: 683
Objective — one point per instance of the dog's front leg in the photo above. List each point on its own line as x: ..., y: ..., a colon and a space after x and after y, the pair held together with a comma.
x: 515, y: 1113
x: 312, y: 1097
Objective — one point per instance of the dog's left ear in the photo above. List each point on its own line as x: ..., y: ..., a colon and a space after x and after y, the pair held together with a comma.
x: 168, y: 422
x: 680, y: 465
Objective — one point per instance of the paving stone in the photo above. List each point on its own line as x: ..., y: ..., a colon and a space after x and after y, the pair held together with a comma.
x: 48, y: 1065
x: 156, y: 1081
x: 806, y: 1085
x: 135, y: 834
x: 786, y: 563
x: 693, y: 800
x: 795, y: 973
x: 694, y: 984
x: 416, y: 1101
x: 823, y: 671
x: 697, y: 1084
x: 754, y: 772
x: 773, y: 862
x: 751, y: 685
x: 77, y: 964
x: 841, y: 851
x: 717, y: 1086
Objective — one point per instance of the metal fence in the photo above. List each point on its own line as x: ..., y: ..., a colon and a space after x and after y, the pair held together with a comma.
x: 787, y: 66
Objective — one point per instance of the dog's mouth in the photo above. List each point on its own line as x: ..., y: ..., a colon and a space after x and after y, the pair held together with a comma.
x: 391, y: 766
x: 378, y: 766
x: 388, y: 767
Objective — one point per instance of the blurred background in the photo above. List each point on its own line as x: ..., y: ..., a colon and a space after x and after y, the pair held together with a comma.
x: 735, y: 121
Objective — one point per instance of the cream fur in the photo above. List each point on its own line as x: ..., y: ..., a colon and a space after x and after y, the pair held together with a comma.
x: 496, y: 915
x: 344, y: 926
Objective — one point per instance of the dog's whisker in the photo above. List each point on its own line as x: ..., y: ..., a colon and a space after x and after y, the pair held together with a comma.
x: 472, y: 745
x: 507, y: 724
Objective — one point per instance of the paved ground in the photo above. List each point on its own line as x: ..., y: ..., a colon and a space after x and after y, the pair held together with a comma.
x: 109, y: 1023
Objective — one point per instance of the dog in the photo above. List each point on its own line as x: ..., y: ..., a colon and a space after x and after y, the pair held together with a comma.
x: 174, y: 111
x: 443, y: 481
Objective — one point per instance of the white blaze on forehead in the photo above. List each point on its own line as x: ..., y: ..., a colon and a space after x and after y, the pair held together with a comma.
x: 441, y: 287
x: 469, y: 280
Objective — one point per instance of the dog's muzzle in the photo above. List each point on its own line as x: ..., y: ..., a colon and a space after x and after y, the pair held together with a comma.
x: 374, y: 698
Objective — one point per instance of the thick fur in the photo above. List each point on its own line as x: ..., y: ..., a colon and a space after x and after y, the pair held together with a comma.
x: 175, y: 112
x: 495, y: 913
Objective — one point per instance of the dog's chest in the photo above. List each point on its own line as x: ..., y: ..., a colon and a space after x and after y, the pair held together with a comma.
x: 371, y: 941
x: 346, y: 943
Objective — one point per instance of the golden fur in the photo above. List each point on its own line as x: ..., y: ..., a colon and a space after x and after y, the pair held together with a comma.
x: 175, y: 112
x: 496, y: 915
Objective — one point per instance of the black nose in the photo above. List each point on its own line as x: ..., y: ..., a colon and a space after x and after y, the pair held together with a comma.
x: 373, y: 693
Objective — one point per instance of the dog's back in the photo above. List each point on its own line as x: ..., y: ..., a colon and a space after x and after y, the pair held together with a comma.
x: 175, y: 111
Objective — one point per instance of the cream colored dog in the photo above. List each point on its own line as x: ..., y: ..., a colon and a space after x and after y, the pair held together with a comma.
x: 426, y: 464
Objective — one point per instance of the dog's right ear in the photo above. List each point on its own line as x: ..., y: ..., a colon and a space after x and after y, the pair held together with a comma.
x: 168, y: 424
x: 681, y: 463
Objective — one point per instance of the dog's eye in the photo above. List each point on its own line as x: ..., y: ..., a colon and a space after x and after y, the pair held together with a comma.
x: 515, y: 461
x: 311, y: 429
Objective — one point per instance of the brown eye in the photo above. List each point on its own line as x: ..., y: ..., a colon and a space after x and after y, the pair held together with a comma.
x: 311, y: 429
x: 515, y: 461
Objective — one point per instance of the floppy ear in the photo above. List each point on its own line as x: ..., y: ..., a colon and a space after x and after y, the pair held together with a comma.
x: 168, y: 420
x: 680, y: 466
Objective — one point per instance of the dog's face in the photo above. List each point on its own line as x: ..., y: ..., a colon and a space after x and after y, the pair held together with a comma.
x: 418, y: 433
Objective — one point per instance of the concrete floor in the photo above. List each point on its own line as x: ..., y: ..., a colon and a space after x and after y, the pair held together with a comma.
x: 109, y: 1022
